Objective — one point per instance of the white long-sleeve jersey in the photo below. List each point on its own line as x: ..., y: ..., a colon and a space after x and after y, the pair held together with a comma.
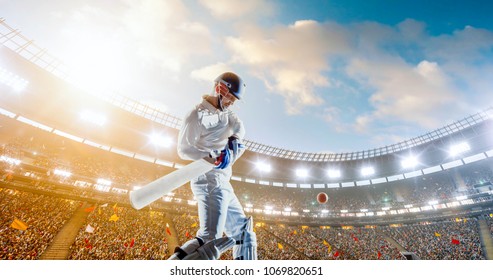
x: 205, y: 129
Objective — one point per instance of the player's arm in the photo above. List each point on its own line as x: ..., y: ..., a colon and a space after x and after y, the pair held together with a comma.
x: 235, y: 141
x: 188, y: 136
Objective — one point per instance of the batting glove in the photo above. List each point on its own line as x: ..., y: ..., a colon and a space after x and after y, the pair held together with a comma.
x: 223, y: 158
x: 234, y: 144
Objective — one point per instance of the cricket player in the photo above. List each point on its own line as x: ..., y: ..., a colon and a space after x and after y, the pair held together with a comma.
x: 214, y: 132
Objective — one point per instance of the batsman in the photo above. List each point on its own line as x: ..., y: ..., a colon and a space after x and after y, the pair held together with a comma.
x: 214, y: 132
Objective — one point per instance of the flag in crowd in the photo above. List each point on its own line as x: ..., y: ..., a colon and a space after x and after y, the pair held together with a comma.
x: 129, y: 245
x: 455, y: 241
x: 18, y: 224
x: 89, y: 228
x: 114, y: 218
x: 168, y: 231
x: 437, y: 234
x: 329, y: 247
x: 88, y: 244
x: 89, y: 209
x: 303, y: 229
x: 279, y: 245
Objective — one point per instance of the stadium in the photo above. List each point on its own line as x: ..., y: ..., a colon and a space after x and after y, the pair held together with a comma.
x: 69, y: 160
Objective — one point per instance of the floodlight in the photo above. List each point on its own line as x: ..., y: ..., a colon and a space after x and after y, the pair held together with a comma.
x: 10, y: 160
x: 287, y: 209
x: 10, y: 79
x: 409, y: 162
x: 267, y: 207
x: 366, y: 171
x: 263, y: 167
x: 459, y: 148
x: 462, y: 197
x: 325, y: 211
x: 160, y: 140
x: 303, y: 173
x: 344, y: 211
x: 104, y: 182
x: 62, y: 173
x: 334, y: 173
x: 306, y: 211
x: 92, y: 117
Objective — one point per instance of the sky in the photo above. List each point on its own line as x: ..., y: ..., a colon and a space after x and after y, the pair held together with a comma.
x: 322, y: 76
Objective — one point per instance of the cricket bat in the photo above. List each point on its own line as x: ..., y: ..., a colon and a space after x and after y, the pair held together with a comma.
x: 154, y: 190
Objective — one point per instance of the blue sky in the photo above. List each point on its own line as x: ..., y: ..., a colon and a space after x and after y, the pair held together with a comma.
x: 322, y: 76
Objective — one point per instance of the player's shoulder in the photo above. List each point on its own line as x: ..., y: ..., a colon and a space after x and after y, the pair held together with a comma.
x: 232, y: 114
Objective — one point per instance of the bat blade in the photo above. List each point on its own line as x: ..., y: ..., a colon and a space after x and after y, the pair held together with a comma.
x: 154, y: 190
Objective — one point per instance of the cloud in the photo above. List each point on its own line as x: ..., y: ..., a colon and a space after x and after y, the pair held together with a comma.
x: 292, y: 59
x: 411, y: 93
x: 467, y: 45
x: 165, y: 31
x: 413, y: 78
x: 161, y: 33
x: 209, y: 73
x: 238, y: 9
x: 362, y: 122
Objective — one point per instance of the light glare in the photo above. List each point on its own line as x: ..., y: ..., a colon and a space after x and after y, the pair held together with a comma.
x: 367, y: 171
x: 409, y: 162
x: 333, y: 173
x: 303, y: 173
x: 12, y: 80
x: 263, y: 167
x: 459, y: 148
x: 92, y: 117
x: 160, y: 140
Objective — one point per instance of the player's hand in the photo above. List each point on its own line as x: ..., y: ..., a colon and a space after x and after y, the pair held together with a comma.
x: 223, y: 158
x: 234, y: 144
